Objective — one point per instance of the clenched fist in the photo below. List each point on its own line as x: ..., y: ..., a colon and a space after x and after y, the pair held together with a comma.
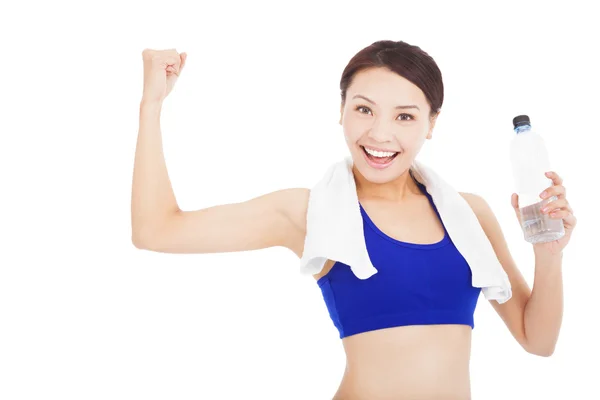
x: 161, y: 70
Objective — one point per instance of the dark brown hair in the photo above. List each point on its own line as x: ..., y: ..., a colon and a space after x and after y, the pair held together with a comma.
x: 406, y: 60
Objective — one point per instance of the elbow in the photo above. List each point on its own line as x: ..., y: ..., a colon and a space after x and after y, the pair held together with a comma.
x: 137, y: 241
x: 148, y: 236
x: 546, y: 351
x: 143, y: 234
x: 140, y: 239
x: 137, y: 244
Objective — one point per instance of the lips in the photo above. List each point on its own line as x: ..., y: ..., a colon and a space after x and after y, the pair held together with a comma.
x: 379, y: 162
x: 379, y: 150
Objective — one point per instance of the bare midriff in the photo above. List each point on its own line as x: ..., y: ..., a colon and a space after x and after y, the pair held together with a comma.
x: 410, y: 362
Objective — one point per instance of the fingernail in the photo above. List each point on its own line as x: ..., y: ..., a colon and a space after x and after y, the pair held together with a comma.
x: 543, y: 194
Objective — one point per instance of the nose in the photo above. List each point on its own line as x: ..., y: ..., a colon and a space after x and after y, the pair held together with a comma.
x: 380, y: 132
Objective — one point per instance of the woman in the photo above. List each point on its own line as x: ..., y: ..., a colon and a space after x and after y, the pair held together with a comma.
x: 391, y: 96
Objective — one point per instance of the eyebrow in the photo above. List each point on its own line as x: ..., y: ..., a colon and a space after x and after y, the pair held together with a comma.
x: 372, y: 102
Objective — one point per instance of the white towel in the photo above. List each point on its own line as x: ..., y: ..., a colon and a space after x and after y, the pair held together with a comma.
x: 334, y: 229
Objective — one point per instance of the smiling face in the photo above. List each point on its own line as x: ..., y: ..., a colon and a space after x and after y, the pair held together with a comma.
x: 386, y: 112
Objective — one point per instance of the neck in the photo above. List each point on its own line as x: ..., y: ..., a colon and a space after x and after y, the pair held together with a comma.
x: 397, y: 191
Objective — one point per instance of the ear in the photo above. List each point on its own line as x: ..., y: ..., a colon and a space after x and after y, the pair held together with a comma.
x: 432, y: 125
x: 341, y: 113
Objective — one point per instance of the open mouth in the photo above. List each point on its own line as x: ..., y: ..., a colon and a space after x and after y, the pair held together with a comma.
x: 379, y: 157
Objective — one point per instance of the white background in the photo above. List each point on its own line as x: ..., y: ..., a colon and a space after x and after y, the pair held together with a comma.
x: 86, y: 315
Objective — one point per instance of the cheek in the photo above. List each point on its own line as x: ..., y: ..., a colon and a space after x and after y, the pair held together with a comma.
x: 412, y: 137
x: 352, y: 132
x: 415, y: 144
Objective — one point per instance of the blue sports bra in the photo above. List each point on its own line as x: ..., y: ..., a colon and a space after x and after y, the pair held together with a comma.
x: 416, y: 284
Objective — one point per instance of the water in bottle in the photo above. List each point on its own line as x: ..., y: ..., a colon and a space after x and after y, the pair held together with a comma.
x: 530, y: 162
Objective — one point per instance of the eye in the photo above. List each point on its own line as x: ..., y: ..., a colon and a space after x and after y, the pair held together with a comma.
x: 358, y: 108
x: 363, y: 107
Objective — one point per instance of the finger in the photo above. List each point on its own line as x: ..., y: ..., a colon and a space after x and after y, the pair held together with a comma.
x: 178, y: 65
x: 555, y: 205
x: 514, y: 200
x: 164, y: 63
x: 556, y: 179
x: 570, y: 220
x: 174, y: 62
x: 183, y: 59
x: 173, y: 65
x: 557, y: 190
x: 560, y: 213
x: 565, y: 215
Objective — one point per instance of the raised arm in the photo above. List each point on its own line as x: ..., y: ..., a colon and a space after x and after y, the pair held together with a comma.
x: 158, y: 224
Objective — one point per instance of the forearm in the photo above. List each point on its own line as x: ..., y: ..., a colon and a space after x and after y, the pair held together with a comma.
x: 544, y: 309
x: 152, y: 196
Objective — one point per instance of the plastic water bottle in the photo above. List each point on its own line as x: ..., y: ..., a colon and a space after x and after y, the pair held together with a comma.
x: 530, y: 162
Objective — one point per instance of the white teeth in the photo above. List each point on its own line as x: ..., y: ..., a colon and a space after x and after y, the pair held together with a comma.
x: 376, y: 153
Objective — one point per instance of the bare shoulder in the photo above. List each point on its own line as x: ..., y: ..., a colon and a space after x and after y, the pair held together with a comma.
x: 477, y: 203
x: 485, y: 215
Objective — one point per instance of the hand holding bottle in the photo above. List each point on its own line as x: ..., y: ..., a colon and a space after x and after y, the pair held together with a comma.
x: 556, y: 209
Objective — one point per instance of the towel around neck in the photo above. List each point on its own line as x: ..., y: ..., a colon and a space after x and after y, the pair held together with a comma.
x: 334, y: 228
